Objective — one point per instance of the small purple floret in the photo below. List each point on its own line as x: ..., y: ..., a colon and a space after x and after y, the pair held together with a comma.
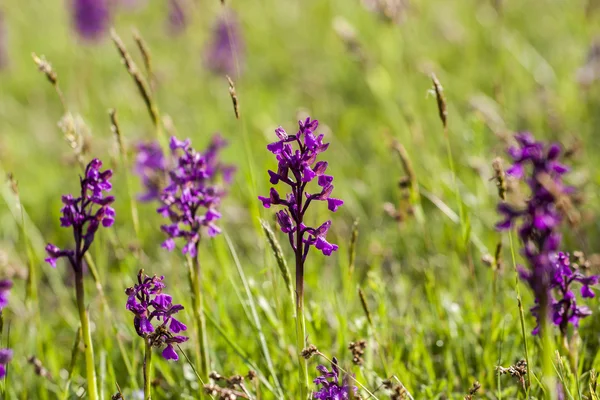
x: 330, y: 386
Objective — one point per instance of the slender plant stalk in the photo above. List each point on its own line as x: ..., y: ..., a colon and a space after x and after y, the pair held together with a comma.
x: 198, y: 312
x: 87, y: 337
x: 148, y: 371
x: 300, y: 322
x: 73, y: 363
x: 521, y: 313
x: 253, y: 316
x: 125, y: 163
x: 549, y: 379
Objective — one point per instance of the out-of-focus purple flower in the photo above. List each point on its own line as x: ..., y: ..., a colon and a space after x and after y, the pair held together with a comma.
x: 5, y: 356
x: 192, y: 197
x: 85, y: 214
x: 297, y: 168
x: 150, y: 166
x: 5, y: 286
x: 177, y: 20
x: 91, y: 18
x: 538, y: 223
x: 329, y: 385
x: 225, y: 51
x: 154, y: 314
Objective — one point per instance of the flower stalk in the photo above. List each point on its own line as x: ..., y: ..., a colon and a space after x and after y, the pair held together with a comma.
x: 84, y: 215
x: 148, y: 370
x: 90, y: 369
x: 297, y: 168
x: 198, y: 313
x: 154, y: 320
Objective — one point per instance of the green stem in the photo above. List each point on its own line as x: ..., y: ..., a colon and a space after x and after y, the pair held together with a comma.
x: 547, y: 351
x: 300, y: 335
x: 148, y: 371
x: 521, y: 313
x: 198, y: 311
x: 90, y: 370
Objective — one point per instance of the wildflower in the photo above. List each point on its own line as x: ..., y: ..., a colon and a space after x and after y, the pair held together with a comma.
x: 330, y: 386
x: 5, y: 356
x: 538, y: 228
x: 564, y: 304
x: 91, y: 18
x: 85, y: 214
x: 192, y: 197
x: 5, y: 286
x: 296, y: 169
x: 225, y: 49
x: 150, y: 165
x: 154, y: 314
x: 177, y: 20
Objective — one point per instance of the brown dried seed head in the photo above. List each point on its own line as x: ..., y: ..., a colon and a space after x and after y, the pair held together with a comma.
x: 234, y: 99
x: 441, y: 100
x: 309, y: 351
x: 45, y: 67
x: 500, y: 177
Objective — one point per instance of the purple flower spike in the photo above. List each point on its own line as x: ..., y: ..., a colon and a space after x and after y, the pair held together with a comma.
x: 565, y: 310
x: 177, y: 21
x: 150, y: 165
x: 5, y: 356
x: 192, y: 197
x: 85, y: 214
x: 297, y: 168
x: 331, y: 387
x: 5, y: 286
x: 91, y: 18
x: 154, y: 314
x: 225, y: 47
x: 550, y: 274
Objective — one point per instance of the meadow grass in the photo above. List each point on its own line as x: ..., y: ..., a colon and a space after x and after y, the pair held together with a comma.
x: 435, y: 317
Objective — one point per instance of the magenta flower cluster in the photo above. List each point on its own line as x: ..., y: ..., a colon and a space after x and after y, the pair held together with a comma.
x: 296, y: 169
x: 565, y: 310
x: 5, y: 354
x: 5, y: 286
x: 192, y: 197
x: 85, y: 214
x: 154, y: 314
x: 538, y: 227
x: 331, y: 386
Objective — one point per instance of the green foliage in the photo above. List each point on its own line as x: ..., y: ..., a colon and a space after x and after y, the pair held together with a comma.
x: 441, y: 319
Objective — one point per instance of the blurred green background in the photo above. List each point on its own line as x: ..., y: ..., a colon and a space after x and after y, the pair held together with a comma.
x: 442, y: 318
